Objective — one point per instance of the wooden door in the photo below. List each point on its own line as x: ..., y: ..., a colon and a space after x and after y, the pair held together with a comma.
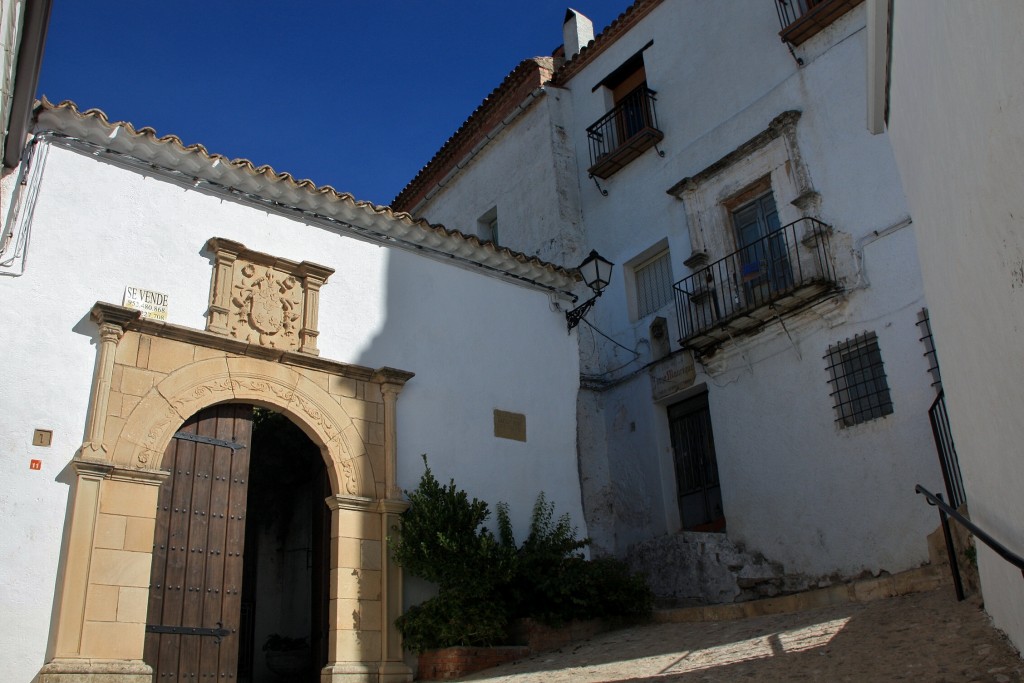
x: 693, y: 445
x: 195, y: 589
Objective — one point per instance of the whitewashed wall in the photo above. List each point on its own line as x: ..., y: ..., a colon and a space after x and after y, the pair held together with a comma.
x: 476, y: 343
x: 957, y: 116
x: 795, y: 487
x: 528, y: 172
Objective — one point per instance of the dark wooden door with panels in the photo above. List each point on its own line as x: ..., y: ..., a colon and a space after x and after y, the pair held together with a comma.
x: 238, y: 584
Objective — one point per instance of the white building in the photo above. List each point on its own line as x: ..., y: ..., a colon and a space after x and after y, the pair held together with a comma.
x: 674, y: 143
x: 254, y: 289
x: 955, y: 105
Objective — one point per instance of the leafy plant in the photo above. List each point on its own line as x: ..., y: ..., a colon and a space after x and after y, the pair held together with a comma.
x: 453, y: 618
x: 444, y: 540
x: 484, y: 581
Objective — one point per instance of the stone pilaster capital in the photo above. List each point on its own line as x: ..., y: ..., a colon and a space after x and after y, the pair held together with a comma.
x: 113, y: 317
x: 313, y: 273
x: 92, y: 469
x: 392, y: 506
x: 391, y: 380
x: 344, y: 502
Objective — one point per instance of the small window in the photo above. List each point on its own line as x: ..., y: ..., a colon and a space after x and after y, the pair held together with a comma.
x: 653, y: 279
x: 859, y: 390
x: 487, y: 226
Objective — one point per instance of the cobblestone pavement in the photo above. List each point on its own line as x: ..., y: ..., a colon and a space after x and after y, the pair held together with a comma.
x: 919, y: 637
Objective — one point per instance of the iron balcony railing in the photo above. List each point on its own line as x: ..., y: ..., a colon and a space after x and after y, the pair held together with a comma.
x: 801, y: 19
x: 624, y: 133
x: 785, y: 270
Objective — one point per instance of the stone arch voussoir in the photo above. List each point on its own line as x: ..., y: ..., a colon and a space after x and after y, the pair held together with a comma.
x: 198, y: 385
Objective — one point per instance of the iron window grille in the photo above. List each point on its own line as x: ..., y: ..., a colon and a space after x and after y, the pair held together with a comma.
x: 860, y: 392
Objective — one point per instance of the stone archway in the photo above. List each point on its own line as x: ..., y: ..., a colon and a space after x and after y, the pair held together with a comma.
x: 149, y: 378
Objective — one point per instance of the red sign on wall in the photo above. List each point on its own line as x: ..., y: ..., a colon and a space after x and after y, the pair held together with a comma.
x: 35, y: 465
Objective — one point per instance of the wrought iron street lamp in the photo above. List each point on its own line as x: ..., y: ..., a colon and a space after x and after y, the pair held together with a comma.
x: 596, y: 272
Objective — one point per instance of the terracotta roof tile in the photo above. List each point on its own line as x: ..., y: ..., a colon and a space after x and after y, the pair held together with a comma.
x: 169, y: 151
x: 528, y: 76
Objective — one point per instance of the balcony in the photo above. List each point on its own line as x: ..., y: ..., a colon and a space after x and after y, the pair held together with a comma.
x: 802, y: 19
x: 782, y: 272
x: 624, y: 133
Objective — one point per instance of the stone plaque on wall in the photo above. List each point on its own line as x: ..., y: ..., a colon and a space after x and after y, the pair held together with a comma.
x: 265, y: 300
x: 509, y: 425
x: 672, y: 375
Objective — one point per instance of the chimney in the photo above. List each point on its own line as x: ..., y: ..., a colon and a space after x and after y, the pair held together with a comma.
x: 577, y: 31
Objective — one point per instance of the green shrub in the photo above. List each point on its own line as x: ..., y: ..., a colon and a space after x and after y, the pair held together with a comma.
x: 443, y: 540
x: 485, y: 581
x: 452, y: 618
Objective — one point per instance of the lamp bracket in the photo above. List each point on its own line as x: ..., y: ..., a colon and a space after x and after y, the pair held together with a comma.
x: 574, y: 316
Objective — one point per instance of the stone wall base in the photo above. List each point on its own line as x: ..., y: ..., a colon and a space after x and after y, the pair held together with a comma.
x: 354, y: 672
x: 95, y: 671
x: 456, y: 662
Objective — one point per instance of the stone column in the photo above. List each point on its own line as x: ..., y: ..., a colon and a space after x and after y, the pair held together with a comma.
x: 357, y: 591
x: 99, y: 627
x: 313, y: 277
x: 391, y: 383
x: 71, y: 604
x: 225, y: 253
x: 112, y: 321
x: 392, y: 667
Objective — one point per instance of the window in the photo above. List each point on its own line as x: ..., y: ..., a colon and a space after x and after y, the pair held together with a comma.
x: 859, y: 390
x: 758, y: 251
x: 631, y: 127
x: 653, y: 284
x: 487, y: 226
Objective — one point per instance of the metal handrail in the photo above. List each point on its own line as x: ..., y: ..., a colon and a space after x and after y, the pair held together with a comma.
x: 946, y: 511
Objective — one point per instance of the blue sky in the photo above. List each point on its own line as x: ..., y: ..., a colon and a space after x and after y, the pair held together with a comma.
x: 349, y: 93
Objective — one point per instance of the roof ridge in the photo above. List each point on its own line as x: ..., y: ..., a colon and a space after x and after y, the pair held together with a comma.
x: 544, y: 67
x: 149, y: 134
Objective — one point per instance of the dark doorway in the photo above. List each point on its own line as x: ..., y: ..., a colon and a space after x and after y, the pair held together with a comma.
x: 693, y: 447
x: 240, y: 552
x: 285, y: 590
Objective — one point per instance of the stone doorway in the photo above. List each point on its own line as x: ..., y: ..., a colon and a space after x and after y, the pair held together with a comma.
x: 239, y: 583
x: 152, y: 377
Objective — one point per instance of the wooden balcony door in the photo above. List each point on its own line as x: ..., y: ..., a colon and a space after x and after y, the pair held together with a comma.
x: 763, y: 250
x: 195, y: 591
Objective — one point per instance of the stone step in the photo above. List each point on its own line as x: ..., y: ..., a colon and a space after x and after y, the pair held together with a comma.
x: 921, y: 579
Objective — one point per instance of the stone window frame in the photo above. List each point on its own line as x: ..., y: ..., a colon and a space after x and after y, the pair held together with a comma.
x: 769, y: 161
